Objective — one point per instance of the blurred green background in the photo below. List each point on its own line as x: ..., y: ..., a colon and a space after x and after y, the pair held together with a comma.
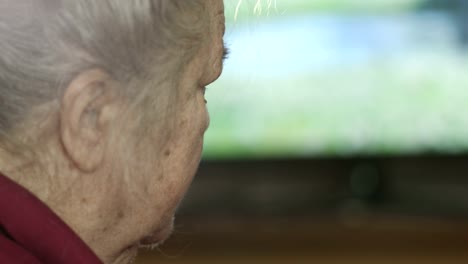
x: 341, y: 78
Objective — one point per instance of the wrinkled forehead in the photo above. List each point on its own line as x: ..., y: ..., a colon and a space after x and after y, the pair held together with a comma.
x: 216, y: 12
x: 217, y: 5
x: 213, y: 48
x: 216, y: 9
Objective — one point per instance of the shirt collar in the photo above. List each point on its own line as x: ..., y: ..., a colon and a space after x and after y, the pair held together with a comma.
x: 32, y: 226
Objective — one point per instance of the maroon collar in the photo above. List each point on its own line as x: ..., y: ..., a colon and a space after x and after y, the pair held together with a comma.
x: 33, y: 234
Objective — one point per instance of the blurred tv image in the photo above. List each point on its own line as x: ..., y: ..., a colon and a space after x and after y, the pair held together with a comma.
x: 341, y: 78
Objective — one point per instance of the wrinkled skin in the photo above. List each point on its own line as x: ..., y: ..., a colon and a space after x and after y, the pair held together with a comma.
x: 118, y: 204
x: 150, y: 221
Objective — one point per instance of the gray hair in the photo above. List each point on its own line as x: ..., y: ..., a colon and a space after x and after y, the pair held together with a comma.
x: 45, y: 43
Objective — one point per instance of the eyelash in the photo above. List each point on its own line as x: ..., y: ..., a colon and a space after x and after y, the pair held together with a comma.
x: 226, y: 53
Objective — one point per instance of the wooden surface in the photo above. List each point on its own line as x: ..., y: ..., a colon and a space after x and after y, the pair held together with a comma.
x: 374, y: 240
x: 273, y: 259
x: 325, y: 211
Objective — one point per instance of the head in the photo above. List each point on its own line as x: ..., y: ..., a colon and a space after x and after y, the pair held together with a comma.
x: 102, y: 110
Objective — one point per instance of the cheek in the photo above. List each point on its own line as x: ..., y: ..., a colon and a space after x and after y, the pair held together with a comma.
x: 198, y: 113
x: 205, y: 113
x: 193, y: 123
x: 206, y: 118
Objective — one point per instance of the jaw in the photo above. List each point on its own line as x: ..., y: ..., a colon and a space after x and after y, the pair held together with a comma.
x: 125, y: 257
x: 159, y: 236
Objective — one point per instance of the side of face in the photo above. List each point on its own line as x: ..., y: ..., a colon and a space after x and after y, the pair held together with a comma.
x: 172, y: 167
x: 134, y: 196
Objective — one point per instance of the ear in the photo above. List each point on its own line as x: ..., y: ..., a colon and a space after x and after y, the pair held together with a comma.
x: 88, y: 110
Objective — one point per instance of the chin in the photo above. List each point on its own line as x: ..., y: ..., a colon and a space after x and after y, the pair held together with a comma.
x: 159, y: 236
x: 127, y: 256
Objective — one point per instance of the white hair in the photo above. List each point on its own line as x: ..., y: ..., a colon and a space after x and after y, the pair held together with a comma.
x: 45, y: 43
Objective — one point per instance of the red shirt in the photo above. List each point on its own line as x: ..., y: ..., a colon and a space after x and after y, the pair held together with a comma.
x: 32, y: 234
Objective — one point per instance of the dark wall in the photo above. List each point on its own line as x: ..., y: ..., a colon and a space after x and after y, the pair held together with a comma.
x: 426, y: 186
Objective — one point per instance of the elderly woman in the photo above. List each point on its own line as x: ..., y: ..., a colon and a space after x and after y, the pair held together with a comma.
x: 102, y: 116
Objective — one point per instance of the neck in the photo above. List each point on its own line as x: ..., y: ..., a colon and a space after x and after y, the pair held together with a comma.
x: 76, y: 197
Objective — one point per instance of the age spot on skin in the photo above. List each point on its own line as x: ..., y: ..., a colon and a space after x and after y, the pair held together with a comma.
x: 167, y: 153
x: 120, y: 214
x: 161, y: 176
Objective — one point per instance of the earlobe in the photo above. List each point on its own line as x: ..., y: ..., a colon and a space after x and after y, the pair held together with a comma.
x: 85, y: 120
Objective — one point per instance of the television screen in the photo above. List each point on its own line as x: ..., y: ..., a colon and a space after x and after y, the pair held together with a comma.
x: 340, y: 78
